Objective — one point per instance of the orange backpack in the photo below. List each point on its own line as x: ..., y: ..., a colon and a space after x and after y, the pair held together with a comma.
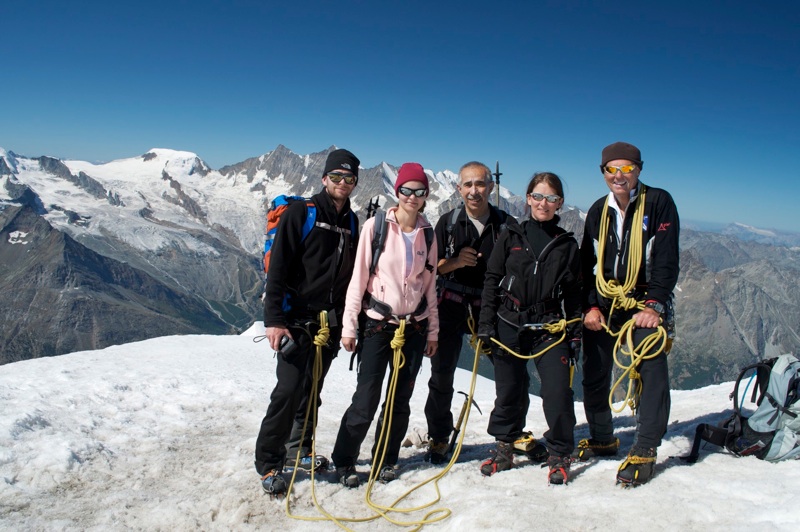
x: 276, y: 209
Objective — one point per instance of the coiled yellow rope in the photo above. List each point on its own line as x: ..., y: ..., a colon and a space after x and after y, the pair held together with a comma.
x: 619, y: 294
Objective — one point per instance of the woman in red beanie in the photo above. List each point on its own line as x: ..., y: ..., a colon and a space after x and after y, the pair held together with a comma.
x: 402, y: 286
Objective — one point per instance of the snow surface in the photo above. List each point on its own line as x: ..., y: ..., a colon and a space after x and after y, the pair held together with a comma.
x: 159, y: 435
x: 756, y: 230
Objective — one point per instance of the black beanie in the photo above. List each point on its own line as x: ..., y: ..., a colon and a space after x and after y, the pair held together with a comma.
x: 621, y: 150
x: 341, y: 160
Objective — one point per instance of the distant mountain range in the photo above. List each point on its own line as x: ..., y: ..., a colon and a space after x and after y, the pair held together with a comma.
x: 159, y: 244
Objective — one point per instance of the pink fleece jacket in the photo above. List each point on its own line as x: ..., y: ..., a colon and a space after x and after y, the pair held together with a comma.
x: 390, y: 284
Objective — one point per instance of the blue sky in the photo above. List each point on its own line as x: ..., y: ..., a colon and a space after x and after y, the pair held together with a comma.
x: 707, y: 89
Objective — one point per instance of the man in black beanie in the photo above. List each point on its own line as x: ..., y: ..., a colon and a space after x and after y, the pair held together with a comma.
x: 632, y: 218
x: 307, y: 275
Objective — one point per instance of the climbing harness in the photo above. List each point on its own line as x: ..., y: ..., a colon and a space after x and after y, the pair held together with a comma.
x: 552, y: 328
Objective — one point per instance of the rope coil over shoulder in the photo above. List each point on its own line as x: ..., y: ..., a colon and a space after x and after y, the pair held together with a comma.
x: 619, y: 294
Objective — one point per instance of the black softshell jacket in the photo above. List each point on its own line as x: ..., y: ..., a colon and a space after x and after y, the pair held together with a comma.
x: 314, y: 272
x: 514, y: 268
x: 465, y: 234
x: 659, y: 261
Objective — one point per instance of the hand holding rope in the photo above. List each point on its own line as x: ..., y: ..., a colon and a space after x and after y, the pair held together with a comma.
x: 620, y: 296
x: 473, y: 335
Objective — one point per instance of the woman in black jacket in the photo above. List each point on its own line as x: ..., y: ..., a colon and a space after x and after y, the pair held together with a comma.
x: 533, y: 277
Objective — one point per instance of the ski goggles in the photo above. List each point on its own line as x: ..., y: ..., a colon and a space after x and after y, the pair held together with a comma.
x: 418, y: 192
x: 551, y: 198
x: 336, y: 177
x: 625, y: 169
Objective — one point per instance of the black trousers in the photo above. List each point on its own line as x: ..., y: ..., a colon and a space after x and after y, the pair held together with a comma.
x: 376, y: 354
x: 512, y: 380
x: 652, y: 415
x: 452, y: 328
x: 282, y: 426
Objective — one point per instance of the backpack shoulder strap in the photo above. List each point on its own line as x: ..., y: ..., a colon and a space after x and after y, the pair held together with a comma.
x: 311, y: 218
x: 451, y: 222
x: 448, y: 229
x: 429, y: 235
x: 353, y: 224
x: 378, y: 240
x: 761, y: 375
x: 503, y: 215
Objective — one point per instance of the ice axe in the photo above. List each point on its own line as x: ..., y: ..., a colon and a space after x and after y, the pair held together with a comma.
x: 463, y: 413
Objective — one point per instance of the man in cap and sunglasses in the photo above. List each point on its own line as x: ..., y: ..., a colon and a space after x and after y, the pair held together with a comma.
x: 306, y: 276
x: 635, y: 227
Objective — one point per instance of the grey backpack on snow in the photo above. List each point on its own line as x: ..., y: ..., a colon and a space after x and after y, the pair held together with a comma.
x: 772, y: 432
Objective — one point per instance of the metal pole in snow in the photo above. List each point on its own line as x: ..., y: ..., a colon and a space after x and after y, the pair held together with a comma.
x: 497, y: 175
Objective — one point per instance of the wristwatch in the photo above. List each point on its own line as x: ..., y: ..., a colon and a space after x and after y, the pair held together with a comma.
x: 655, y: 305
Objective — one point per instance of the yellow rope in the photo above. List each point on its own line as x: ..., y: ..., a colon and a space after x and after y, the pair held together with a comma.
x: 553, y: 328
x: 613, y: 289
x: 619, y: 294
x: 443, y: 513
x: 382, y: 511
x: 397, y: 343
x: 473, y: 335
x: 320, y: 340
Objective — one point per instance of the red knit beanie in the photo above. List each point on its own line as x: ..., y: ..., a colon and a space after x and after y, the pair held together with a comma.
x: 410, y: 172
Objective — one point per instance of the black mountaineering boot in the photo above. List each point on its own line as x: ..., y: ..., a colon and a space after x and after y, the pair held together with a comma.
x: 589, y: 448
x: 559, y: 469
x: 347, y: 476
x: 502, y: 459
x: 527, y: 445
x: 307, y: 462
x: 437, y: 452
x: 387, y: 473
x: 638, y: 467
x: 273, y: 483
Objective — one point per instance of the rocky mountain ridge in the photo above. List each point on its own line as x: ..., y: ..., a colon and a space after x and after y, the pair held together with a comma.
x: 164, y: 227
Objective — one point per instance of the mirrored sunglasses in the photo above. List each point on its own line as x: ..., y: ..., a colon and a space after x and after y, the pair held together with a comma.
x: 551, y: 198
x: 418, y: 192
x: 625, y: 169
x: 336, y: 177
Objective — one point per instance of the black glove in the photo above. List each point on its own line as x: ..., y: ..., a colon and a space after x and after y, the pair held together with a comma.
x: 485, y: 336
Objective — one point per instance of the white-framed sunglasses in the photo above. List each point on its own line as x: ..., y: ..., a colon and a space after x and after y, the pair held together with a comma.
x: 551, y: 198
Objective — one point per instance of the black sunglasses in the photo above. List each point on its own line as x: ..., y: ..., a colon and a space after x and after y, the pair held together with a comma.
x: 418, y: 192
x: 336, y: 177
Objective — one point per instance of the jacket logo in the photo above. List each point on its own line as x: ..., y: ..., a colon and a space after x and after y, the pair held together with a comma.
x: 664, y: 226
x: 645, y: 223
x: 420, y: 253
x: 517, y: 248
